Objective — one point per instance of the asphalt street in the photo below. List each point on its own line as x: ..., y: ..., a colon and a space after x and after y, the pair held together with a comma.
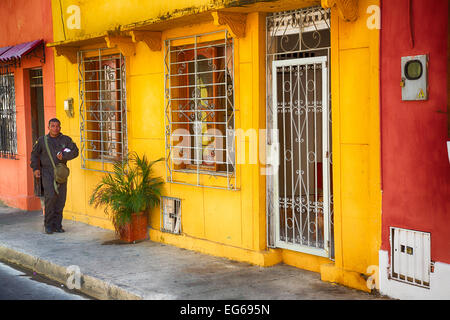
x: 16, y: 284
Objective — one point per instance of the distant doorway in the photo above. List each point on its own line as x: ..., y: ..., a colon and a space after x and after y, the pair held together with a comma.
x: 37, y: 104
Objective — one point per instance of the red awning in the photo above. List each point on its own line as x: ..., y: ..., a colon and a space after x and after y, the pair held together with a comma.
x: 16, y: 52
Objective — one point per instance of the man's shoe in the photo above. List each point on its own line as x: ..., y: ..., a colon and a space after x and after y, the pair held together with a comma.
x: 48, y: 231
x: 59, y: 230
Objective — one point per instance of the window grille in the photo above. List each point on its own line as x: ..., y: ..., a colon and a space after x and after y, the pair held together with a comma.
x: 199, y: 112
x: 8, y: 130
x: 103, y: 123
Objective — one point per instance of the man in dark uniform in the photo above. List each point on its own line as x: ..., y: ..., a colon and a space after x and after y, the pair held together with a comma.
x: 62, y: 149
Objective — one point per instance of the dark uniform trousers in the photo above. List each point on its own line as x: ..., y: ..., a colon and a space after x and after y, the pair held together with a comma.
x: 54, y: 203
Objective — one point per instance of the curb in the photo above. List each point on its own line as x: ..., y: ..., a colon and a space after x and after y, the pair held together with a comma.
x: 91, y: 286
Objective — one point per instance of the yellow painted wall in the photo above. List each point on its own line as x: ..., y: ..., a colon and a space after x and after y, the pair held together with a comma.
x: 116, y: 13
x: 241, y: 223
x: 356, y: 148
x: 119, y: 14
x: 237, y: 230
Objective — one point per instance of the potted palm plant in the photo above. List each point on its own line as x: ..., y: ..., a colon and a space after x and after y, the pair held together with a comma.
x: 127, y: 194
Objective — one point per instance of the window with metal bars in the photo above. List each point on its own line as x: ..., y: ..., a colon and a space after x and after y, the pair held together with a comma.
x: 200, y: 106
x: 8, y: 130
x: 103, y: 108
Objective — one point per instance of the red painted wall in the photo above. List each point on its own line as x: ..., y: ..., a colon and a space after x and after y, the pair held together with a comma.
x: 23, y: 21
x: 415, y: 164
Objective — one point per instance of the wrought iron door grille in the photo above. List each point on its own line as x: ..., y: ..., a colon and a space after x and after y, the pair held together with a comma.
x: 199, y: 110
x: 103, y: 122
x: 8, y: 129
x: 296, y: 35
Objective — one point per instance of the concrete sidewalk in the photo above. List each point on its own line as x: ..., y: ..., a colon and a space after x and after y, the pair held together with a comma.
x: 150, y: 270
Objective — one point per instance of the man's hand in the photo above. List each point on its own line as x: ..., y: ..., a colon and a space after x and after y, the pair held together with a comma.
x: 37, y: 173
x: 59, y: 155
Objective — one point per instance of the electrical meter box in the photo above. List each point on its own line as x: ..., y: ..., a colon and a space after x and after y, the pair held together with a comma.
x: 414, y: 78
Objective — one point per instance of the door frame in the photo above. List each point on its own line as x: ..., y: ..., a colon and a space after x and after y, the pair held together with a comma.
x: 325, y: 252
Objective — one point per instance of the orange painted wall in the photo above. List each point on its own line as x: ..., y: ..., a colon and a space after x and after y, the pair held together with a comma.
x: 24, y: 21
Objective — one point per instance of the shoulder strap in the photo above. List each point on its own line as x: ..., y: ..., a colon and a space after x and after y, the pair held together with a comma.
x: 55, y: 185
x: 48, y: 151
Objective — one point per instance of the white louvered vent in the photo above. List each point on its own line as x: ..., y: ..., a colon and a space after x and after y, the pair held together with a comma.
x: 410, y: 256
x: 171, y: 215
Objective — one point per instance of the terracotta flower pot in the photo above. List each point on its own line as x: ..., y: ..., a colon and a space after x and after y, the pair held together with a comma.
x: 136, y: 230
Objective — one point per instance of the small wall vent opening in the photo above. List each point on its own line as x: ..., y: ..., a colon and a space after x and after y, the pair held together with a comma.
x: 410, y: 257
x: 170, y: 215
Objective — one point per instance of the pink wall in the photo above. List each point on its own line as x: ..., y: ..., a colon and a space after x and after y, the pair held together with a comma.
x: 23, y: 21
x: 415, y: 164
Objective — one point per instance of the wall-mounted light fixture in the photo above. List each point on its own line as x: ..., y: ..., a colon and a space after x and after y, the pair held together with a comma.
x: 448, y: 150
x: 68, y: 107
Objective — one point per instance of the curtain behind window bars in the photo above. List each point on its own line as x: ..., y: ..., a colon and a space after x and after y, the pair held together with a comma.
x: 8, y: 130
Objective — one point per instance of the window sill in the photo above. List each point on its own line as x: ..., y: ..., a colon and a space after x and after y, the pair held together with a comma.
x: 205, y: 172
x: 10, y: 157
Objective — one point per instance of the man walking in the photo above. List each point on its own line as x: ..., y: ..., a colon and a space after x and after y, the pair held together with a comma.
x: 62, y: 149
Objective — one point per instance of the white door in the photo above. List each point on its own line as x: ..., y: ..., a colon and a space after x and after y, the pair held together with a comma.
x: 302, y: 182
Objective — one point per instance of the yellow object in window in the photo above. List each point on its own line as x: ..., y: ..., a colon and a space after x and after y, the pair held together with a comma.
x: 204, y: 115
